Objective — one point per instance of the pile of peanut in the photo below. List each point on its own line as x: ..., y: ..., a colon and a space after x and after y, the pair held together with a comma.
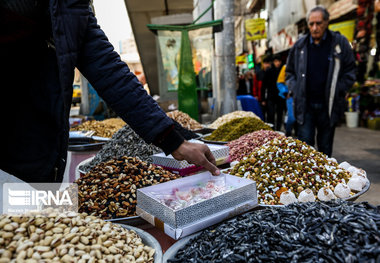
x: 105, y: 128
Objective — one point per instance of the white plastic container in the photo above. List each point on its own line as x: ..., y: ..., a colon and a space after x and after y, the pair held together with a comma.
x: 352, y: 119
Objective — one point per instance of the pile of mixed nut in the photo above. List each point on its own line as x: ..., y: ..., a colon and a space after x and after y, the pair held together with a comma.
x: 288, y: 170
x: 109, y: 189
x: 69, y: 237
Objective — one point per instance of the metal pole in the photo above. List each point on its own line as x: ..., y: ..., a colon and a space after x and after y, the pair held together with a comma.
x: 225, y: 58
x: 217, y: 82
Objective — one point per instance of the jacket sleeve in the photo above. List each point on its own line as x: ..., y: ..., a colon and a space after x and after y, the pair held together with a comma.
x: 290, y: 71
x: 119, y: 87
x: 347, y: 74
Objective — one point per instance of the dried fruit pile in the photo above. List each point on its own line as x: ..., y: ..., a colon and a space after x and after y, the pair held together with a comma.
x: 247, y: 143
x: 232, y: 130
x: 185, y: 120
x: 334, y: 231
x: 291, y: 166
x: 231, y: 116
x: 69, y: 237
x: 109, y: 189
x: 104, y: 128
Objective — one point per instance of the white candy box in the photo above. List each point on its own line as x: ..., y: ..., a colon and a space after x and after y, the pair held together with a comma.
x: 193, y: 218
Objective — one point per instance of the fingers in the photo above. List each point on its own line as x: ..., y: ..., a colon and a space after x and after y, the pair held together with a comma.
x: 197, y: 154
x: 209, y: 166
x: 209, y: 156
x: 209, y: 162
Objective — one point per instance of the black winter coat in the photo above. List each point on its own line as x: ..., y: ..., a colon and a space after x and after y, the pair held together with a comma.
x: 340, y: 78
x: 79, y: 42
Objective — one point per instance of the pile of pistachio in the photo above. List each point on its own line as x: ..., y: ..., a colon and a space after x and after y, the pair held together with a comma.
x: 68, y: 237
x: 286, y: 164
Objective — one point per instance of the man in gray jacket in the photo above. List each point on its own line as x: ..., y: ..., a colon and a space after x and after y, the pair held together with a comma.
x: 320, y: 69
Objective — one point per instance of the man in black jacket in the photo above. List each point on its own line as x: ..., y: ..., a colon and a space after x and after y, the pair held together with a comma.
x: 320, y: 69
x: 41, y: 42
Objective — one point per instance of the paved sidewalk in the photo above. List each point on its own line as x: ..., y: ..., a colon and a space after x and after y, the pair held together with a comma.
x: 361, y: 147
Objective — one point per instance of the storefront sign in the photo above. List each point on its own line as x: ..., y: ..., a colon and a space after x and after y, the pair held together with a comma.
x: 241, y: 59
x: 284, y: 39
x: 346, y: 28
x: 341, y: 7
x: 255, y: 29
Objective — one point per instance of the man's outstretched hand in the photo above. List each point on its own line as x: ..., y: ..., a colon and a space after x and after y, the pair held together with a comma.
x: 198, y: 154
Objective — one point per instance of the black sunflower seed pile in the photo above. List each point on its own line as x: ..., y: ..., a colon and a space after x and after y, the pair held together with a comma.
x: 335, y: 231
x: 125, y: 142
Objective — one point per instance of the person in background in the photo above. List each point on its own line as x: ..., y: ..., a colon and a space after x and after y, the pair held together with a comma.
x: 319, y: 70
x: 258, y: 81
x: 285, y: 95
x: 245, y: 84
x: 248, y: 80
x: 274, y: 104
x: 366, y: 106
x: 41, y: 42
x: 267, y: 78
x: 279, y: 101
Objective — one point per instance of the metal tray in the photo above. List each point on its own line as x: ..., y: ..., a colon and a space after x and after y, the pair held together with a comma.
x: 148, y: 240
x: 86, y: 147
x: 132, y: 221
x: 204, y: 130
x: 172, y: 251
x: 211, y: 142
x: 86, y: 136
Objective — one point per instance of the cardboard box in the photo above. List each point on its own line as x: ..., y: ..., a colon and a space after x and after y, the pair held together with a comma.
x: 220, y: 152
x: 188, y: 220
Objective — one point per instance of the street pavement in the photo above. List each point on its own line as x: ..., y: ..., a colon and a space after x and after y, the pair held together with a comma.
x: 360, y: 147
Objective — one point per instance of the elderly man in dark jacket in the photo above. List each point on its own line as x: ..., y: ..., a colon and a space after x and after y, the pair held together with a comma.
x: 41, y: 42
x: 320, y: 69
